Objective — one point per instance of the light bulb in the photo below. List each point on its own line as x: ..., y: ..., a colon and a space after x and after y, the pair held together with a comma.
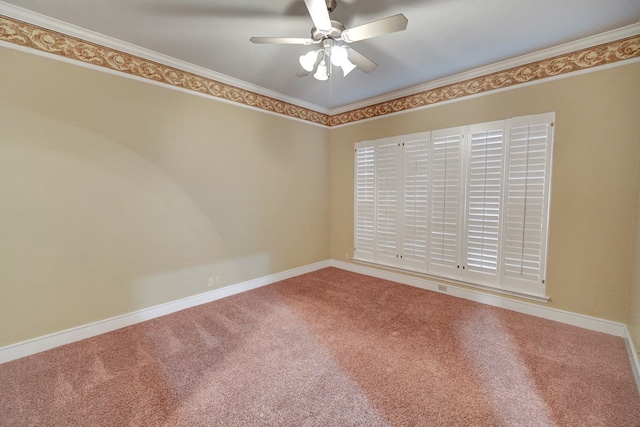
x: 308, y: 60
x: 339, y: 55
x: 322, y: 73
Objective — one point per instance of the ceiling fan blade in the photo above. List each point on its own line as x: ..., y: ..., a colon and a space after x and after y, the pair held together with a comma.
x: 383, y: 26
x: 281, y: 40
x: 319, y: 14
x: 302, y: 73
x: 363, y: 63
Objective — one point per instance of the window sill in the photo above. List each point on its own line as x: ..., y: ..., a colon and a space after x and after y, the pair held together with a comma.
x: 447, y: 280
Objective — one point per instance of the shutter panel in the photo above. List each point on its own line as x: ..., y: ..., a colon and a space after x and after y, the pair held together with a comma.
x: 526, y: 202
x: 473, y: 208
x: 387, y: 183
x: 415, y: 214
x: 364, y: 230
x: 482, y: 216
x: 446, y: 177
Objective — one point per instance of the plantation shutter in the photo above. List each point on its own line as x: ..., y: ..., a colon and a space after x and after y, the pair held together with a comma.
x: 415, y: 213
x: 387, y: 184
x: 526, y: 202
x: 446, y: 179
x: 482, y: 215
x: 365, y: 208
x: 469, y: 203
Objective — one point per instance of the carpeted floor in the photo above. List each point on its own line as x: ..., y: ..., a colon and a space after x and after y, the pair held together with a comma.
x: 329, y: 348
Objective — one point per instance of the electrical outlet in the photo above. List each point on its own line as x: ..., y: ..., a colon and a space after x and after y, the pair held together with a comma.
x: 211, y: 282
x: 442, y: 288
x: 347, y: 257
x: 217, y: 280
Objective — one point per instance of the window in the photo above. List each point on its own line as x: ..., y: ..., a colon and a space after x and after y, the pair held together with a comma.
x: 468, y: 203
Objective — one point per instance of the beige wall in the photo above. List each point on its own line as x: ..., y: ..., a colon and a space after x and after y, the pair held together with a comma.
x: 634, y: 293
x: 118, y: 195
x: 594, y: 182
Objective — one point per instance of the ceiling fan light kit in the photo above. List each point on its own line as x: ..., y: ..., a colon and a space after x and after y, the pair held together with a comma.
x: 330, y: 55
x: 332, y: 37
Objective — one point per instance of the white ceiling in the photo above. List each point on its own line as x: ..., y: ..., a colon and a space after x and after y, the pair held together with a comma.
x: 443, y: 37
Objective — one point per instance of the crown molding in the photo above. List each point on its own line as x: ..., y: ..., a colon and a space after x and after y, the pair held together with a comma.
x: 26, y: 30
x: 574, y: 46
x: 37, y: 19
x: 604, y: 55
x: 25, y: 36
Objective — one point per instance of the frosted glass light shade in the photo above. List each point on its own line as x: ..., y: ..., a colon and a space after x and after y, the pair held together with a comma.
x: 339, y: 55
x: 322, y: 73
x: 347, y: 67
x: 308, y: 60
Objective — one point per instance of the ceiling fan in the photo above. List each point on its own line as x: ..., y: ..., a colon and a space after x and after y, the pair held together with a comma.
x: 331, y: 39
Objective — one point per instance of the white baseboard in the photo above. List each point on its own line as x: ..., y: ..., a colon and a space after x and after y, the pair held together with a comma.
x: 633, y: 357
x: 47, y: 342
x: 580, y: 320
x: 575, y: 319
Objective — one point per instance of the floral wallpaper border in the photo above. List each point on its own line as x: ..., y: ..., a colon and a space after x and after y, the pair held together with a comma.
x: 21, y: 33
x: 609, y: 53
x: 24, y: 34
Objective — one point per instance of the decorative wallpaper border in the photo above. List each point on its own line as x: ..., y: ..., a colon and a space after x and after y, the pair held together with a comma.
x: 604, y: 54
x: 24, y: 34
x: 45, y: 40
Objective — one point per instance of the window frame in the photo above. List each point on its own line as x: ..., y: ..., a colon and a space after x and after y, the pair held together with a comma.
x: 409, y: 253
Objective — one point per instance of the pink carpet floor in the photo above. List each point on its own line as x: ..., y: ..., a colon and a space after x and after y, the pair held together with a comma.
x: 329, y: 348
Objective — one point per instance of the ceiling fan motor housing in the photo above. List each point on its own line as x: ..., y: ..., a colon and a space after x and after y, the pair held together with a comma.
x: 334, y: 33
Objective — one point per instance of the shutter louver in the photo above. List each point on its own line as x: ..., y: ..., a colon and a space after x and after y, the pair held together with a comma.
x: 387, y: 183
x: 365, y: 204
x: 416, y: 206
x: 526, y: 198
x: 446, y: 176
x: 469, y: 203
x: 484, y: 182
